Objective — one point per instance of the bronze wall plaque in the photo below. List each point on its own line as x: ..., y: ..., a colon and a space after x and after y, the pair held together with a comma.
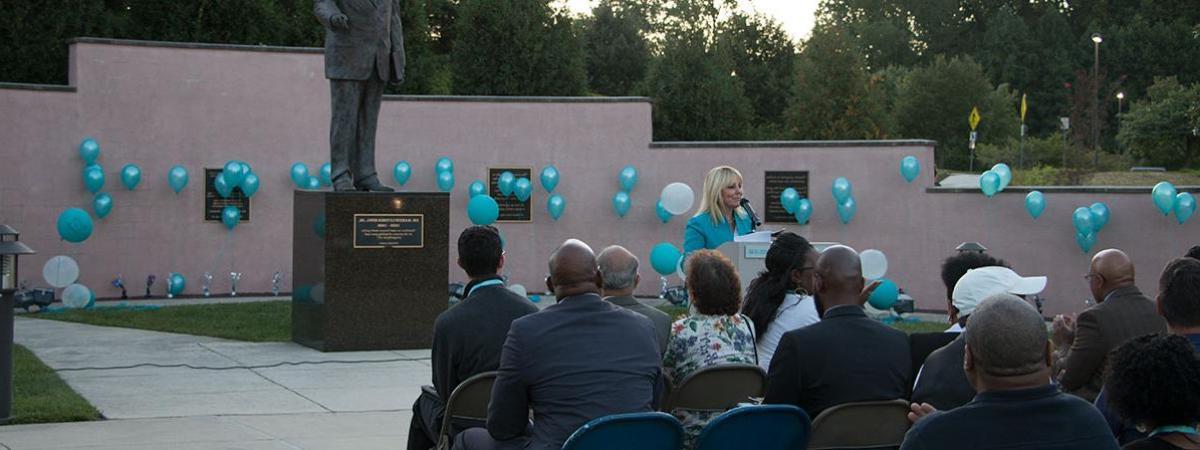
x: 511, y: 209
x: 775, y: 183
x: 389, y: 230
x: 213, y: 203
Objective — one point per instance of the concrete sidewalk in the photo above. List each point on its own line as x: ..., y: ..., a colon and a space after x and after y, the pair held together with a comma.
x: 332, y: 400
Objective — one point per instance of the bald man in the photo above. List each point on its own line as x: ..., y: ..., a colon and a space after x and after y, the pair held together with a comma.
x: 577, y: 360
x: 1121, y: 313
x: 619, y: 269
x: 847, y: 356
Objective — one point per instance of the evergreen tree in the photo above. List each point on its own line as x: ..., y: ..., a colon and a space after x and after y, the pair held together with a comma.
x: 834, y: 96
x: 617, y: 53
x: 516, y: 47
x: 764, y: 59
x: 1162, y: 129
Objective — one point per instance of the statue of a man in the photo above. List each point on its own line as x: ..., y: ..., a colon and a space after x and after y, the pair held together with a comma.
x: 364, y: 51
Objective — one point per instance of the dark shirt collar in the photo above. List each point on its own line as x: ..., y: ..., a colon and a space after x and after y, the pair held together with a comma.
x: 579, y: 298
x: 622, y: 300
x: 467, y: 289
x: 1018, y: 395
x: 844, y: 311
x: 1122, y: 292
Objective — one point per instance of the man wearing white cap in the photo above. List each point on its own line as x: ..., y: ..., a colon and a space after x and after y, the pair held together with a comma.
x: 942, y: 382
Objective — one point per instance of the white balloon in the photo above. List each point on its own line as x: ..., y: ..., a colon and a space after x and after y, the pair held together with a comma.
x: 60, y: 271
x: 76, y: 296
x: 520, y: 290
x: 874, y: 264
x: 677, y: 198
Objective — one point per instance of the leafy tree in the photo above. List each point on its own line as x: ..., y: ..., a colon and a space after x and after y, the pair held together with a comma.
x: 1162, y: 129
x: 834, y: 96
x: 617, y: 53
x: 34, y: 35
x: 879, y: 28
x: 516, y: 47
x: 764, y: 59
x: 426, y: 72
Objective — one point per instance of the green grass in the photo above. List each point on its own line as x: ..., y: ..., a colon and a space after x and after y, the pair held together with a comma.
x: 253, y: 322
x: 40, y: 396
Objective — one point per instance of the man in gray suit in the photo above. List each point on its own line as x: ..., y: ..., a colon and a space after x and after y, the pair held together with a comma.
x: 1121, y: 313
x: 364, y: 51
x: 619, y: 268
x: 580, y: 359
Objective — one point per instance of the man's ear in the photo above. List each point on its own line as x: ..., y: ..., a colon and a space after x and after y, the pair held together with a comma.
x: 549, y: 284
x: 500, y: 265
x: 460, y: 264
x: 1049, y: 354
x: 637, y: 279
x: 968, y: 360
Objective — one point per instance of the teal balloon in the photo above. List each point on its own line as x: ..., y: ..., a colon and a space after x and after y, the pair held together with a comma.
x: 1085, y: 241
x: 1185, y: 206
x: 989, y: 183
x: 628, y: 178
x: 1083, y: 220
x: 523, y: 189
x: 92, y: 166
x: 1035, y: 204
x: 300, y: 175
x: 663, y: 215
x: 445, y: 181
x: 230, y: 216
x: 175, y: 283
x: 788, y: 198
x: 444, y: 164
x: 621, y: 203
x: 664, y: 258
x: 249, y: 184
x: 476, y: 188
x: 222, y: 185
x: 1005, y: 174
x: 234, y: 172
x: 91, y: 299
x: 1099, y: 216
x: 1164, y: 195
x: 842, y: 189
x: 506, y: 183
x: 102, y: 204
x: 177, y: 178
x: 131, y: 176
x: 402, y: 172
x: 884, y: 295
x: 312, y: 183
x: 555, y: 206
x: 804, y: 210
x: 846, y: 210
x: 326, y: 175
x: 93, y: 179
x: 483, y: 210
x: 549, y: 178
x: 89, y: 150
x: 910, y: 167
x: 74, y: 225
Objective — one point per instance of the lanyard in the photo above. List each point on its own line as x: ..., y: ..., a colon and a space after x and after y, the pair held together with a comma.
x: 484, y: 284
x: 1183, y: 429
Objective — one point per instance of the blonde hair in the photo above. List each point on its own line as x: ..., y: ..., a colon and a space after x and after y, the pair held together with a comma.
x: 710, y: 201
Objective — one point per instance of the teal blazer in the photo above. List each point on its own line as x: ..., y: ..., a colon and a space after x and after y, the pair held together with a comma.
x: 701, y: 232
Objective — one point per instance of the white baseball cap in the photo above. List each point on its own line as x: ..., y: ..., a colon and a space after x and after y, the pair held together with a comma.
x: 984, y: 282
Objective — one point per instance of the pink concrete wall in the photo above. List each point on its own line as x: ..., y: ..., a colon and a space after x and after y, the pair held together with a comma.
x: 159, y: 105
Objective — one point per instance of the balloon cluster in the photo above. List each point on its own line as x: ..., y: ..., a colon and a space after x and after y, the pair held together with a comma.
x: 1169, y: 200
x: 995, y: 180
x: 444, y: 169
x: 1088, y: 221
x: 238, y: 175
x: 799, y: 207
x: 621, y: 202
x: 843, y: 195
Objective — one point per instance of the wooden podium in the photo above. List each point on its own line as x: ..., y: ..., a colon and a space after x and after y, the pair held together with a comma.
x: 369, y: 269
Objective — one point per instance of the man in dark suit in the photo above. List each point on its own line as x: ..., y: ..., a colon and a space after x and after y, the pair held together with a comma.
x: 364, y: 51
x: 619, y: 268
x: 578, y: 360
x: 847, y: 356
x: 1121, y: 313
x: 467, y: 338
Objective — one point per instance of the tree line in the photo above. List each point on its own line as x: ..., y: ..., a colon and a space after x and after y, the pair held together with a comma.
x: 871, y: 69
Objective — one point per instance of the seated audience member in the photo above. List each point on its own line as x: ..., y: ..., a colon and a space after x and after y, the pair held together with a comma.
x: 847, y: 356
x: 1008, y: 361
x: 1154, y: 382
x: 577, y: 360
x: 780, y: 299
x: 953, y: 268
x: 942, y: 382
x: 1121, y: 313
x: 715, y: 334
x: 619, y: 268
x: 467, y: 338
x: 1179, y: 304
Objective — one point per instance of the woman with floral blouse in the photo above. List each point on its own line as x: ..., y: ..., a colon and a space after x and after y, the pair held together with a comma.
x: 714, y: 334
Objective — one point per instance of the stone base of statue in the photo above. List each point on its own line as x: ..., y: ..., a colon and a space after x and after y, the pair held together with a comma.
x: 370, y: 270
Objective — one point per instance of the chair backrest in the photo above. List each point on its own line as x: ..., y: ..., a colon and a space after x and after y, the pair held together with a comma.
x: 469, y: 401
x: 635, y: 431
x: 717, y: 388
x: 760, y: 427
x: 861, y: 425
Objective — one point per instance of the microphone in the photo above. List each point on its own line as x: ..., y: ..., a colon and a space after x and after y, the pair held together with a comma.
x: 754, y: 222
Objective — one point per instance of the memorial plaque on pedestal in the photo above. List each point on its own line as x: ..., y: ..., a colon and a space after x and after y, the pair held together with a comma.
x: 370, y: 269
x: 511, y: 209
x: 775, y: 183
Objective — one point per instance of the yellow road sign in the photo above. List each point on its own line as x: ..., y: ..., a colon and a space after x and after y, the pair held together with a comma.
x: 1024, y: 107
x: 974, y: 119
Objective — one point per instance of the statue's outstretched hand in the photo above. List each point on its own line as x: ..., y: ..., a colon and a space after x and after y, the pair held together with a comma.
x: 339, y: 22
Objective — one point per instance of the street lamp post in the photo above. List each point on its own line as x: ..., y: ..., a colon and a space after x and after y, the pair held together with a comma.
x: 1096, y: 40
x: 10, y: 248
x: 1120, y: 101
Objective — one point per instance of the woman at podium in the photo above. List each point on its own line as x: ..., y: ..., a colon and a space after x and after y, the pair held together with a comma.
x: 720, y: 216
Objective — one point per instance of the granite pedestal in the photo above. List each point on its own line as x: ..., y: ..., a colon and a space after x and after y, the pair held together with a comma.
x: 369, y: 269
